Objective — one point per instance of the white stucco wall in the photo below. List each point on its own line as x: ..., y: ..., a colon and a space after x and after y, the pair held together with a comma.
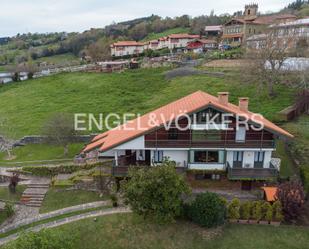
x: 208, y: 166
x: 179, y: 156
x: 135, y: 144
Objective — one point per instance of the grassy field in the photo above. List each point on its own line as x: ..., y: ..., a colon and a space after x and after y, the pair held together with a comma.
x: 62, y: 59
x: 37, y: 152
x: 128, y: 231
x: 154, y: 36
x: 58, y: 198
x: 5, y: 194
x: 26, y: 106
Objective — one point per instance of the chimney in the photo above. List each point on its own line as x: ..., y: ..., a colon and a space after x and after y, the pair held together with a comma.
x: 243, y: 104
x: 223, y: 98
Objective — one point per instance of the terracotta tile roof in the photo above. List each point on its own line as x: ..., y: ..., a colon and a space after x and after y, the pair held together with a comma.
x: 183, y: 36
x: 270, y: 193
x: 264, y: 20
x: 233, y: 35
x: 164, y: 114
x: 213, y: 28
x: 127, y: 43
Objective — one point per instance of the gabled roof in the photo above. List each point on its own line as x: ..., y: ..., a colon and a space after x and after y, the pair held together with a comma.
x: 186, y: 105
x: 127, y: 43
x: 213, y: 28
x: 263, y: 20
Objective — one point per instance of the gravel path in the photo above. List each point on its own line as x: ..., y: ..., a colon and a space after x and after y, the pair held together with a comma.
x: 64, y: 221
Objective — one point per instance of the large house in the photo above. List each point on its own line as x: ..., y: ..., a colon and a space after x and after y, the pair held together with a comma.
x: 200, y: 45
x: 251, y: 23
x: 181, y: 132
x: 123, y: 48
x: 180, y: 40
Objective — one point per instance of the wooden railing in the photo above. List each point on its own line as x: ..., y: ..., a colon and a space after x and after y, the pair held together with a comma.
x: 252, y: 173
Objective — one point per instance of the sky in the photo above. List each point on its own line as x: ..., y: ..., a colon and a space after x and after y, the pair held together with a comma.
x: 23, y: 16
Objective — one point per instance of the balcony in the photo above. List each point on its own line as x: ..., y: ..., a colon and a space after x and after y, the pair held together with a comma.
x: 209, y: 143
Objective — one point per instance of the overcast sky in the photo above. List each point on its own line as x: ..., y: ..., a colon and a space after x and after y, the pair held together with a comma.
x: 21, y: 16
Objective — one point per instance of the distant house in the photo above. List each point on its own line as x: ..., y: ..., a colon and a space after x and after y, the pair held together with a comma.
x: 238, y: 29
x: 180, y: 40
x: 154, y: 45
x: 123, y: 48
x: 180, y: 132
x: 214, y: 30
x: 163, y: 42
x: 200, y: 45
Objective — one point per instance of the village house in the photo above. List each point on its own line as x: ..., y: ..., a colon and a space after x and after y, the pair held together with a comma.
x: 123, y: 48
x: 181, y: 133
x: 287, y: 33
x: 238, y: 29
x: 163, y: 42
x: 201, y: 45
x: 179, y: 40
x: 213, y: 31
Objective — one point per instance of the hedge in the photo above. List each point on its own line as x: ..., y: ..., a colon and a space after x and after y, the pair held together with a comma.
x: 55, y: 170
x: 304, y: 174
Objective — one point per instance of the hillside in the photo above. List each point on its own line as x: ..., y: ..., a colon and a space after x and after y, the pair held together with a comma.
x: 25, y: 106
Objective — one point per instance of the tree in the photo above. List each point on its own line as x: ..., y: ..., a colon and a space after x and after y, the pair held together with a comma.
x: 99, y: 50
x: 208, y: 210
x: 139, y: 31
x: 292, y: 198
x: 266, y: 62
x: 156, y: 192
x: 7, y: 145
x: 59, y: 130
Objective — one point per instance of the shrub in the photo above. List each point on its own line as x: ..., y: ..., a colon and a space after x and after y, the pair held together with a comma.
x: 245, y: 210
x: 55, y: 170
x: 257, y: 210
x: 207, y: 210
x: 155, y: 192
x: 43, y: 239
x: 304, y: 174
x: 233, y: 210
x: 267, y: 211
x: 9, y: 209
x: 277, y: 211
x: 292, y: 198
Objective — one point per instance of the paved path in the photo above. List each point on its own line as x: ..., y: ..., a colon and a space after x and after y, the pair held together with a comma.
x: 26, y: 220
x: 67, y: 220
x: 35, y: 192
x: 229, y: 194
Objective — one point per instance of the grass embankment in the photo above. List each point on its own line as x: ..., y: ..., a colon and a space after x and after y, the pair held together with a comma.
x: 35, y: 153
x: 6, y: 195
x: 154, y: 36
x: 129, y: 231
x: 27, y: 105
x: 61, y: 59
x: 58, y: 198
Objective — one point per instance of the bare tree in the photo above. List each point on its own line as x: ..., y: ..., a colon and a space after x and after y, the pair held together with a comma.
x: 59, y: 130
x: 7, y: 145
x: 266, y: 61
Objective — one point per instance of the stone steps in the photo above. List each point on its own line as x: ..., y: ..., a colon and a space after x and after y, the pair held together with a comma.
x: 34, y: 194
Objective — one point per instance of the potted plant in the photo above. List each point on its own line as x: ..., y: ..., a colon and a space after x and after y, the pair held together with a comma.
x: 256, y: 212
x: 245, y: 209
x: 266, y: 213
x: 277, y: 214
x: 233, y: 211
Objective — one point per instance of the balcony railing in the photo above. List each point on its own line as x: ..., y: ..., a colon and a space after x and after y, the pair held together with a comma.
x: 252, y: 173
x: 209, y: 143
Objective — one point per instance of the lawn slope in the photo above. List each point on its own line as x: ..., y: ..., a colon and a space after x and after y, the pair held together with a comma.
x: 25, y: 106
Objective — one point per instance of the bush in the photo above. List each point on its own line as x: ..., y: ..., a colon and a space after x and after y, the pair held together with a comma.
x: 55, y: 170
x: 257, y: 210
x: 155, y: 192
x: 245, y: 210
x: 42, y: 240
x: 304, y: 174
x: 267, y: 211
x: 208, y: 210
x: 233, y: 210
x: 292, y: 198
x: 9, y: 209
x: 277, y: 211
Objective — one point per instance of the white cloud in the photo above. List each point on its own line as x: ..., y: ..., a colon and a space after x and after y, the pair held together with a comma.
x: 20, y: 16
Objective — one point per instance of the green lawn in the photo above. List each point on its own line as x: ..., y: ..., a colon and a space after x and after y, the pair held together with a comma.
x: 26, y: 106
x: 154, y: 36
x: 58, y: 198
x: 128, y: 231
x: 286, y: 168
x: 37, y: 152
x: 5, y: 194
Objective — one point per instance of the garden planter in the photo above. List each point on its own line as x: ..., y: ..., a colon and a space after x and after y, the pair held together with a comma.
x: 233, y: 221
x: 275, y: 223
x: 263, y: 222
x: 252, y: 221
x: 243, y: 221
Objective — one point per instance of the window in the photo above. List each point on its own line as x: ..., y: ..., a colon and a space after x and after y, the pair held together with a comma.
x: 158, y: 156
x: 173, y: 134
x: 238, y: 156
x: 207, y: 156
x: 240, y: 134
x: 259, y: 156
